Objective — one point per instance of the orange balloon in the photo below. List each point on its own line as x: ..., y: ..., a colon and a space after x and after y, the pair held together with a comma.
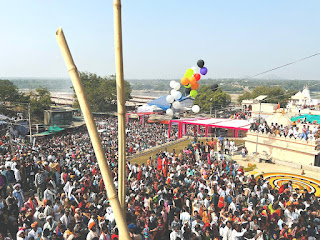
x: 193, y: 80
x: 195, y: 86
x: 185, y: 81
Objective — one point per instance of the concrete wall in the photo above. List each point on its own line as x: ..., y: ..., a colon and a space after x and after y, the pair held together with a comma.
x: 267, y: 109
x: 295, y: 151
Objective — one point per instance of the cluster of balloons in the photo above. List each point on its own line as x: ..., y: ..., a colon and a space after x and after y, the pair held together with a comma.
x: 191, y: 83
x: 174, y: 97
x: 191, y: 78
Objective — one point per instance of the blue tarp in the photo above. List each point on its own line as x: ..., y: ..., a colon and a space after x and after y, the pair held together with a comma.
x: 161, y: 102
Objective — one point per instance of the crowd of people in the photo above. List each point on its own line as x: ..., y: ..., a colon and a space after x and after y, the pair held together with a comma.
x: 54, y: 190
x: 306, y: 132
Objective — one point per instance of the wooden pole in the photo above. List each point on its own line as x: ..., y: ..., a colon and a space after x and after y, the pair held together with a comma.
x: 29, y: 116
x: 94, y: 136
x: 120, y: 103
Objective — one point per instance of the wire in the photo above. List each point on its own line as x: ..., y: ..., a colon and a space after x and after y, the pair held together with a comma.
x: 282, y: 66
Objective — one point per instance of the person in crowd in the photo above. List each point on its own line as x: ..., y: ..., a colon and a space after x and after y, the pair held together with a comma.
x: 187, y: 194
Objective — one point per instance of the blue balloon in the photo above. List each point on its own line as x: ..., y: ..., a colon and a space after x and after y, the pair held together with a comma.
x: 203, y: 71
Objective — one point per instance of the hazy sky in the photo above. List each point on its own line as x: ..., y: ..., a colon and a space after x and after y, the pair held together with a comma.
x: 161, y: 39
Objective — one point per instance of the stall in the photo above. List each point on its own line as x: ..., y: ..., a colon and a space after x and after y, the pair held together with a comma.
x: 209, y: 123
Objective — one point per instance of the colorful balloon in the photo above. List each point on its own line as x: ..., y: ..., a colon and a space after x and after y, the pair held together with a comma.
x: 195, y: 108
x: 203, y: 71
x: 176, y: 86
x: 170, y: 99
x: 193, y: 93
x: 173, y: 91
x: 176, y: 105
x: 214, y: 87
x: 169, y: 112
x: 193, y: 80
x: 200, y: 63
x: 172, y: 84
x: 195, y: 86
x: 177, y: 95
x: 185, y: 81
x: 197, y: 76
x: 189, y: 73
x: 188, y: 86
x: 196, y: 71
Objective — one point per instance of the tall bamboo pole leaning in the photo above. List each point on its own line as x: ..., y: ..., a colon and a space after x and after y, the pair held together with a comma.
x: 120, y: 103
x: 94, y: 136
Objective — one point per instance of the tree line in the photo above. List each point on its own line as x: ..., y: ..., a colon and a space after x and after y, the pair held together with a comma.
x: 101, y: 93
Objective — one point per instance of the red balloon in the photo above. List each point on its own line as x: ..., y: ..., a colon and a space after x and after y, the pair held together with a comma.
x: 197, y: 76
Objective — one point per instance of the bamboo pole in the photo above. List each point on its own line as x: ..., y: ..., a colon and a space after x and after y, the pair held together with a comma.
x: 94, y: 136
x: 120, y: 103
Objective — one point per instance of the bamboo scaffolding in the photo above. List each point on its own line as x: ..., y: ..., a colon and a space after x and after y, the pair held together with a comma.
x: 120, y: 104
x: 93, y: 133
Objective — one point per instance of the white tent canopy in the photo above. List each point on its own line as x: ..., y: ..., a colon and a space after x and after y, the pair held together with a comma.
x: 148, y: 108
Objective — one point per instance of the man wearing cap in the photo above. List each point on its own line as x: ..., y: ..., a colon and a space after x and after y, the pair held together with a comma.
x: 50, y: 224
x: 94, y: 232
x: 18, y: 194
x: 35, y: 232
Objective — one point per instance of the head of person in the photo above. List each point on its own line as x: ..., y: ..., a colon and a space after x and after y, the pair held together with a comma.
x: 92, y: 226
x: 34, y: 226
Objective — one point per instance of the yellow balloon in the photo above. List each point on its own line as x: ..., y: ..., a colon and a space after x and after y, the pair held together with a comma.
x: 189, y: 73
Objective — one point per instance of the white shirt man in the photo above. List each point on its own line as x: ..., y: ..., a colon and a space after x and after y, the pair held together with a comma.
x: 185, y: 216
x: 237, y: 235
x: 175, y: 234
x: 226, y: 232
x: 17, y: 175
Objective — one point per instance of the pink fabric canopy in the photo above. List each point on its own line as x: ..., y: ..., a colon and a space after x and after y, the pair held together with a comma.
x: 229, y: 123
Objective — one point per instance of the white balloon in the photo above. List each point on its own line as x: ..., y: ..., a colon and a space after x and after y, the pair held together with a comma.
x: 172, y: 84
x: 177, y: 86
x: 173, y: 92
x: 169, y: 112
x: 177, y: 95
x: 176, y: 105
x: 195, y: 69
x: 170, y: 99
x: 195, y: 108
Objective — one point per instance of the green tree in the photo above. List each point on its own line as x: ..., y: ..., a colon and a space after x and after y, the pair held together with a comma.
x: 275, y: 94
x: 206, y: 97
x: 101, y: 92
x: 9, y: 92
x: 40, y: 100
x: 244, y: 95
